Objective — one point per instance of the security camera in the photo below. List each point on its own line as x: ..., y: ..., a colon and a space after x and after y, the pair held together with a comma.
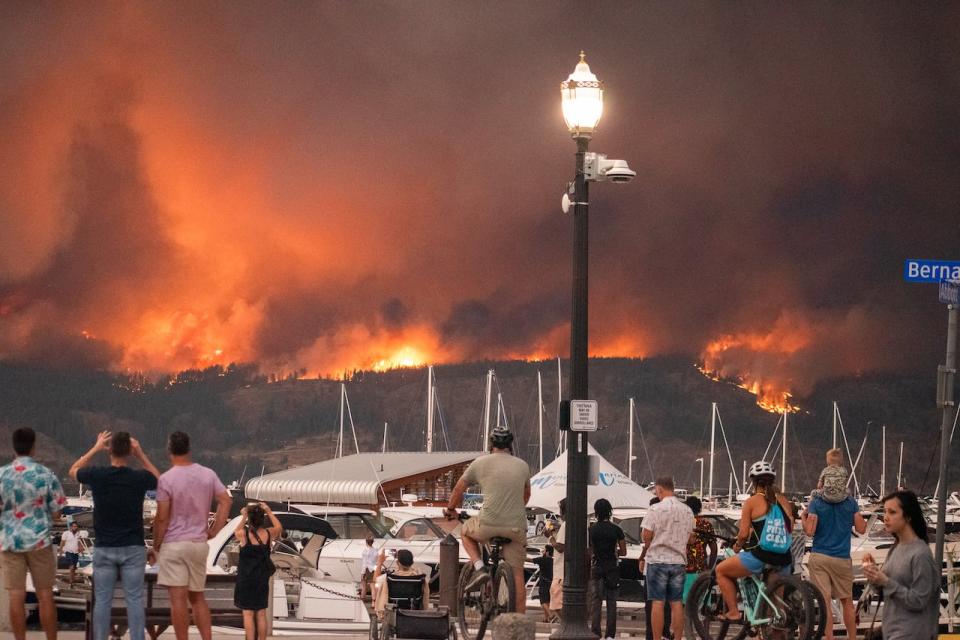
x: 597, y: 168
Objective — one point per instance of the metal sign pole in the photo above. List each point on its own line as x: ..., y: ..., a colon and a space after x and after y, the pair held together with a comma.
x: 945, y: 382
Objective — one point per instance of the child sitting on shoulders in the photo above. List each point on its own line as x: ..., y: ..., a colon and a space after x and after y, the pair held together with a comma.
x: 832, y: 485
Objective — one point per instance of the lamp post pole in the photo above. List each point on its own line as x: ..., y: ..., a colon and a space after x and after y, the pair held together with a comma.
x: 582, y: 102
x: 574, y: 622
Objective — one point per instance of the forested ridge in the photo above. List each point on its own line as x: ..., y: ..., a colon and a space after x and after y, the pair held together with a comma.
x: 243, y: 421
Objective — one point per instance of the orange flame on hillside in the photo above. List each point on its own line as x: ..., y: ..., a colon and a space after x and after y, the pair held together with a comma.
x: 723, y: 361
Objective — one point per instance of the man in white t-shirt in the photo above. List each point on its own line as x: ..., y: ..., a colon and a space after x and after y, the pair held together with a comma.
x: 70, y: 548
x: 368, y: 561
x: 666, y: 532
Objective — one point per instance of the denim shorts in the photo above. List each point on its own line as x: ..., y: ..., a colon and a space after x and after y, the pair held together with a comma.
x: 665, y: 582
x: 755, y: 566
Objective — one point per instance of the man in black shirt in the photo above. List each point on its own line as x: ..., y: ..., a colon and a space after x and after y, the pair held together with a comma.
x: 118, y: 493
x: 607, y: 544
x: 544, y: 578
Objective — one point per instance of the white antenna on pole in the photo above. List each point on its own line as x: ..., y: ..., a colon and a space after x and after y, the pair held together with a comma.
x: 743, y: 477
x: 713, y: 435
x: 384, y: 448
x: 430, y: 409
x: 540, y: 415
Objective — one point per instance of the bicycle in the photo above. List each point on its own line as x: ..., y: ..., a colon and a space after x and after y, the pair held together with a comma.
x: 495, y: 593
x: 784, y: 609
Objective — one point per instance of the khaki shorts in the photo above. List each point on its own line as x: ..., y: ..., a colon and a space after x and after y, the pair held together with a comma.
x: 183, y: 564
x: 514, y: 553
x: 556, y: 594
x: 41, y: 563
x: 833, y: 576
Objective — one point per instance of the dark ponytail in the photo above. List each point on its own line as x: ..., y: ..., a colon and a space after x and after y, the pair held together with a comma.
x: 765, y: 485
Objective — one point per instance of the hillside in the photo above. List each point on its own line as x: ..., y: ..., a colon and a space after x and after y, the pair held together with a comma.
x: 242, y: 420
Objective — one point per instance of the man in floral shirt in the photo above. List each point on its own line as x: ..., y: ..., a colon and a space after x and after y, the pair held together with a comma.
x: 30, y: 498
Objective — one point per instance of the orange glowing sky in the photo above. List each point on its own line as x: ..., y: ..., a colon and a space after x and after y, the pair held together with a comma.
x: 324, y: 187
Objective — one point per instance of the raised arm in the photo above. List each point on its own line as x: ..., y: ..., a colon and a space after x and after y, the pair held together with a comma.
x: 102, y: 444
x: 141, y: 455
x: 276, y: 529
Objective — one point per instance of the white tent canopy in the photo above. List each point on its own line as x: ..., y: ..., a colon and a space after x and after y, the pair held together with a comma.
x: 550, y: 485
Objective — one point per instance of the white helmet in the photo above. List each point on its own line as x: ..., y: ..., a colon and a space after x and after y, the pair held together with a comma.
x: 762, y: 468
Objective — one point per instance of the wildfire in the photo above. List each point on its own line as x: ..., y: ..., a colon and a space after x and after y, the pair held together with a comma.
x: 747, y: 359
x: 406, y: 356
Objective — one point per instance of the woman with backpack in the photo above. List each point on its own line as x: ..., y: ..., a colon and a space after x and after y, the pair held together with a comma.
x: 255, y: 569
x: 763, y: 539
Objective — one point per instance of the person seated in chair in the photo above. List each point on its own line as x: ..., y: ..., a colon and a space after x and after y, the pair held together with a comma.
x: 404, y: 570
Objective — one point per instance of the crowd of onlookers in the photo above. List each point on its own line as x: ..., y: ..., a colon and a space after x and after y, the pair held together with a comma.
x: 32, y: 500
x: 679, y: 544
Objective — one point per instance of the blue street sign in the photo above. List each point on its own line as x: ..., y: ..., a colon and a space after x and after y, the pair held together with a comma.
x: 931, y: 270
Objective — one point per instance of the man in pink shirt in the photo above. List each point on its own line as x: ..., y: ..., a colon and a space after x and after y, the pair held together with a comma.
x: 180, y: 533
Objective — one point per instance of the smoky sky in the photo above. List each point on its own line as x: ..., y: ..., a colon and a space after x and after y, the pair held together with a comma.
x: 323, y: 185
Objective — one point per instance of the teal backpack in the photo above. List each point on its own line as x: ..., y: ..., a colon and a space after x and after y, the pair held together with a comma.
x: 774, y: 537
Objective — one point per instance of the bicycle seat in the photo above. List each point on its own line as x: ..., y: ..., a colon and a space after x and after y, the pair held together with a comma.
x: 500, y: 540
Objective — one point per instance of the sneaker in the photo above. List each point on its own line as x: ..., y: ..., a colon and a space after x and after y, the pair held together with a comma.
x: 479, y: 575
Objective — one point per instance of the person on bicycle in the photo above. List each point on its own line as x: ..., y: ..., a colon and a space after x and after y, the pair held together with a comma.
x: 752, y: 557
x: 505, y: 483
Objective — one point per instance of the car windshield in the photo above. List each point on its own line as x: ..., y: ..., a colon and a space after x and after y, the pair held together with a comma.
x: 418, y: 529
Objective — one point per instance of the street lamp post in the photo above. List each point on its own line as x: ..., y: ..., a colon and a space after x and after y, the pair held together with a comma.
x: 582, y: 102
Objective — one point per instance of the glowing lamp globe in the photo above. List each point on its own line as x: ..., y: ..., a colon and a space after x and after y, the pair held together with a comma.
x: 582, y: 100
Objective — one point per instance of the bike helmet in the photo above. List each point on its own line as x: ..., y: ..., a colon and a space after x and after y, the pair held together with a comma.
x: 501, y: 437
x: 762, y: 468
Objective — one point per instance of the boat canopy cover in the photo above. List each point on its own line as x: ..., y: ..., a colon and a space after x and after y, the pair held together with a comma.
x: 550, y: 485
x: 352, y: 479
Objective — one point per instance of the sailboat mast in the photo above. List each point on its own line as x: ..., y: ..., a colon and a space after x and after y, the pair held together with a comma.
x: 630, y: 445
x: 540, y: 415
x: 783, y: 462
x: 835, y: 425
x: 384, y: 448
x: 486, y: 410
x: 713, y: 434
x: 563, y: 440
x: 900, y: 468
x: 343, y: 395
x: 883, y: 464
x: 430, y: 409
x: 743, y: 477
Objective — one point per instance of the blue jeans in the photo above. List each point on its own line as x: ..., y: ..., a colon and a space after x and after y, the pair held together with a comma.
x: 130, y: 563
x: 665, y: 582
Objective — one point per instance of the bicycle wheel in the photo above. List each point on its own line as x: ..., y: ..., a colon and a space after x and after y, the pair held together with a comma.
x: 820, y: 611
x: 706, y: 611
x: 795, y: 615
x: 504, y: 590
x: 474, y: 606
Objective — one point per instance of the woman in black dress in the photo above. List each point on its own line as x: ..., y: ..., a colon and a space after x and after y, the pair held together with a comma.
x: 254, y: 569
